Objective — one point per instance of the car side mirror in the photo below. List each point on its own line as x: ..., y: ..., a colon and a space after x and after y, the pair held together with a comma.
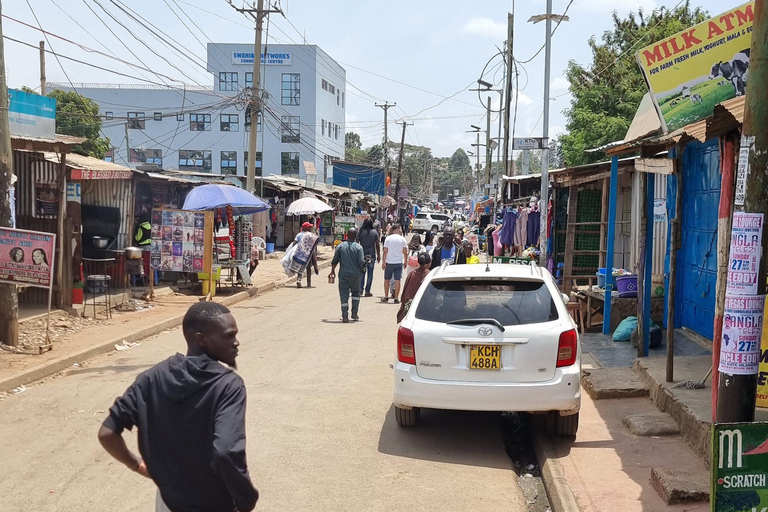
x: 566, y: 298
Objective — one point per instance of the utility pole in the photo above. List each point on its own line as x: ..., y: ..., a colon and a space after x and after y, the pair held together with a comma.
x: 42, y: 68
x: 736, y: 393
x: 385, y: 107
x: 127, y: 145
x: 508, y: 88
x: 544, y: 202
x: 258, y: 15
x: 9, y: 302
x: 400, y: 165
x: 488, y: 150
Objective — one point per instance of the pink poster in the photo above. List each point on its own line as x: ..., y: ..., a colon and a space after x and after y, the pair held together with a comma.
x: 26, y: 257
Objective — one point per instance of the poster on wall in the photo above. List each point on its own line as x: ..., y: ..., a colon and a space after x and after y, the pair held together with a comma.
x: 742, y: 331
x: 342, y: 224
x: 739, y: 455
x: 26, y: 257
x: 181, y: 241
x: 744, y: 260
x: 694, y: 70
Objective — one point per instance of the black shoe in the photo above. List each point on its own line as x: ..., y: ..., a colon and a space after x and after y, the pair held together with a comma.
x: 396, y: 301
x: 298, y: 285
x: 355, y: 317
x: 385, y: 299
x: 344, y: 320
x: 368, y: 294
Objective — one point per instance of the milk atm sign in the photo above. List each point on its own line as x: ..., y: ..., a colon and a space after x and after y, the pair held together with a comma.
x: 739, y: 467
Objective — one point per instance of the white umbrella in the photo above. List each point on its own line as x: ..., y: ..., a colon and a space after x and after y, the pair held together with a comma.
x: 307, y: 206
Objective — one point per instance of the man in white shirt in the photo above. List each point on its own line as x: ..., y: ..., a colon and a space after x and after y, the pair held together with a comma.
x: 394, y: 261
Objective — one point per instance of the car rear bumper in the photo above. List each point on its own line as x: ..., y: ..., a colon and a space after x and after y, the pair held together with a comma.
x: 563, y: 393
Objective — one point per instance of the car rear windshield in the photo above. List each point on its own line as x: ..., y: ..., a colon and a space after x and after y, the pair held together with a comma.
x: 508, y: 302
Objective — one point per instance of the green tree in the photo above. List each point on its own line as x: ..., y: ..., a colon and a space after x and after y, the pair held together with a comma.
x: 352, y: 141
x: 353, y: 148
x: 459, y: 161
x: 534, y: 165
x: 607, y: 92
x: 79, y: 116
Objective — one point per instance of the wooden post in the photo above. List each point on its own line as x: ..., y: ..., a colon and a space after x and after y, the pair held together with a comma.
x: 9, y: 303
x: 644, y: 290
x: 674, y: 246
x: 609, y: 246
x: 64, y: 266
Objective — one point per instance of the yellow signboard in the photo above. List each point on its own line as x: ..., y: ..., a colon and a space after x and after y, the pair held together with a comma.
x: 762, y: 376
x: 694, y: 70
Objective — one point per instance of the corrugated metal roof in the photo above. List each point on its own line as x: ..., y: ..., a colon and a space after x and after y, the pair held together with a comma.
x: 735, y: 106
x: 68, y: 140
x: 86, y: 163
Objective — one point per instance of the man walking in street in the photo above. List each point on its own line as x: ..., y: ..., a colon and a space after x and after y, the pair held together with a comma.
x: 448, y: 250
x: 395, y: 259
x: 369, y: 240
x: 190, y: 415
x: 349, y: 256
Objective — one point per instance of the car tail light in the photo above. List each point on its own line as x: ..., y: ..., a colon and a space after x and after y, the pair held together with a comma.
x: 567, y: 348
x: 406, y: 353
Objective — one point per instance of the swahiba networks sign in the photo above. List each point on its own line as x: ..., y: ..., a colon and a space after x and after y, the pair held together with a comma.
x: 694, y: 70
x: 31, y: 115
x: 267, y: 58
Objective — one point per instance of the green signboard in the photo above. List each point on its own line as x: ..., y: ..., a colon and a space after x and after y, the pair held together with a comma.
x: 739, y: 467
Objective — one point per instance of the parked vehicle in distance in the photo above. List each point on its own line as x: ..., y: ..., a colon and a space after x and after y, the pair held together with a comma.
x: 489, y: 338
x: 429, y: 221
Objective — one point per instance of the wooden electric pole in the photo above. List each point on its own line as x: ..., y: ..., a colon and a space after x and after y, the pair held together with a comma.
x: 42, y: 68
x: 736, y: 393
x: 385, y: 107
x: 258, y: 15
x: 400, y: 166
x: 508, y: 89
x: 9, y: 305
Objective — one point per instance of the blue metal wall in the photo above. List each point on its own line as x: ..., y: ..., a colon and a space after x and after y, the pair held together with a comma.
x: 697, y: 259
x: 359, y: 177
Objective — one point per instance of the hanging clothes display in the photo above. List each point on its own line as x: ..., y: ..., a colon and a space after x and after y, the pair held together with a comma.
x: 507, y: 235
x: 521, y: 233
x: 498, y: 250
x: 534, y: 224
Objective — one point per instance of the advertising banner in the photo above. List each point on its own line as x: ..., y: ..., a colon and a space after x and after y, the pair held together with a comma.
x: 694, y: 70
x: 182, y: 241
x: 744, y: 261
x: 26, y: 257
x: 762, y: 376
x: 742, y: 332
x: 739, y: 473
x: 31, y: 115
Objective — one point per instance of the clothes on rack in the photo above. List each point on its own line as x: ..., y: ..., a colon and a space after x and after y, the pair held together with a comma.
x: 507, y: 235
x: 534, y: 225
x: 498, y: 250
x: 521, y: 227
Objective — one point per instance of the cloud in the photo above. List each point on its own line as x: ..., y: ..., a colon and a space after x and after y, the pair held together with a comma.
x: 559, y: 85
x: 485, y: 27
x: 523, y: 100
x: 608, y: 6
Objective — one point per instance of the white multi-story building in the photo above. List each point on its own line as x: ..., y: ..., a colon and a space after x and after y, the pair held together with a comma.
x: 206, y: 129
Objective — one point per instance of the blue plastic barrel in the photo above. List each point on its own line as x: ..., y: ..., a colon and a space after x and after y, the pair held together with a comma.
x: 270, y: 248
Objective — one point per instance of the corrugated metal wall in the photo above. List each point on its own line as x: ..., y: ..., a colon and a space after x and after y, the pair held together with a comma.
x: 659, y: 228
x: 115, y: 194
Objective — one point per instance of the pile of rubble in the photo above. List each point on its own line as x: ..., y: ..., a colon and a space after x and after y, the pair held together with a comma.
x: 32, y: 333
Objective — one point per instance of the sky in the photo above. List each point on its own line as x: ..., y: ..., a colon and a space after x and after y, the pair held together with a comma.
x: 423, y: 55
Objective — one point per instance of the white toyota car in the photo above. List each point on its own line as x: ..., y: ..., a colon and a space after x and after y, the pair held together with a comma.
x: 489, y: 338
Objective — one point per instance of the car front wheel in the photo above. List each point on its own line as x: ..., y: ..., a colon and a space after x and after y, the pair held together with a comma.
x: 566, y: 425
x: 407, y: 417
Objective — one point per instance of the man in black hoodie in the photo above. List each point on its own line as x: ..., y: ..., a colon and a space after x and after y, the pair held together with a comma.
x: 190, y: 415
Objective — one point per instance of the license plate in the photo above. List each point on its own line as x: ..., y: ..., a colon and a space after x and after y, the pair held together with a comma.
x: 485, y: 357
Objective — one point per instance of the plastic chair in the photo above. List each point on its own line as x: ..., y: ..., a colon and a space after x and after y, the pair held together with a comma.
x: 97, y: 282
x: 261, y: 246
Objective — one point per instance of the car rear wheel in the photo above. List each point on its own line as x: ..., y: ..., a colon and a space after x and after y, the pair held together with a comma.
x: 407, y: 417
x: 566, y: 425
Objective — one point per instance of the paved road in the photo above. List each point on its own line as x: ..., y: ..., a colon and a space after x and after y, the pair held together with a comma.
x: 321, y: 430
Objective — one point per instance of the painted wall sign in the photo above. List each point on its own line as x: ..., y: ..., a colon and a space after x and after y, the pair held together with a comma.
x: 742, y: 332
x: 26, y: 257
x: 82, y: 174
x: 694, y: 70
x: 74, y: 192
x: 31, y: 115
x: 744, y: 259
x: 267, y: 59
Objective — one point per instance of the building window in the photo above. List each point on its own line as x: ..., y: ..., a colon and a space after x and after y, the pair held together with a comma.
x: 289, y: 164
x: 136, y: 120
x: 342, y: 100
x: 147, y: 156
x: 290, y: 130
x: 338, y: 97
x: 291, y: 89
x: 109, y: 156
x: 336, y: 132
x: 258, y: 162
x: 180, y: 117
x: 229, y: 162
x: 158, y: 116
x: 229, y: 122
x: 248, y: 120
x: 323, y: 125
x: 108, y: 115
x: 194, y: 160
x: 227, y: 81
x: 325, y: 84
x: 249, y: 79
x: 199, y: 122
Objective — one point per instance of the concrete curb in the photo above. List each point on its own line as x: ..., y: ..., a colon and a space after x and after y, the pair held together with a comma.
x: 56, y: 365
x: 561, y: 497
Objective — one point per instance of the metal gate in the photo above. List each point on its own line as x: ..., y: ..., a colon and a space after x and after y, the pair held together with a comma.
x: 697, y: 263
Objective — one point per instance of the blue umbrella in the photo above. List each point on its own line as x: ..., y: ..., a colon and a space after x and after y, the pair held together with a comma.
x: 209, y: 197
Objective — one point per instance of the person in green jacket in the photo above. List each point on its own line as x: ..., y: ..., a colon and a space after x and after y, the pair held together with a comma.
x: 349, y: 255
